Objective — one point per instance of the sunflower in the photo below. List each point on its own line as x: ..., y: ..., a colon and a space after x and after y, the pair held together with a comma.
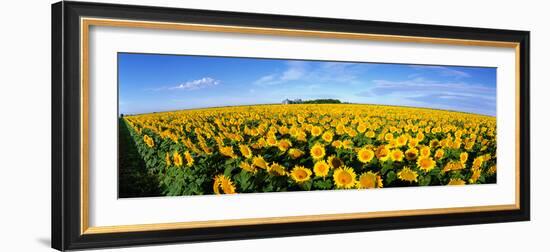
x: 259, y: 162
x: 420, y: 137
x: 337, y: 144
x: 365, y: 155
x: 283, y: 130
x: 295, y: 153
x: 178, y: 161
x: 453, y: 166
x: 406, y: 174
x: 245, y: 151
x: 396, y: 155
x: 425, y: 163
x: 277, y: 169
x: 469, y: 145
x: 301, y: 136
x: 456, y: 181
x: 458, y: 134
x: 167, y: 159
x: 370, y: 134
x: 434, y: 143
x: 382, y: 153
x: 188, y: 159
x: 456, y: 144
x: 411, y: 154
x: 317, y: 151
x: 340, y: 129
x: 361, y: 127
x: 316, y: 131
x: 335, y: 162
x: 227, y: 151
x: 463, y: 157
x: 447, y: 142
x: 247, y: 167
x: 300, y: 174
x: 439, y: 154
x: 476, y: 173
x: 425, y: 151
x: 321, y: 168
x: 413, y: 142
x: 225, y: 184
x: 492, y: 170
x: 327, y: 136
x: 369, y: 180
x: 388, y: 137
x: 254, y: 132
x: 392, y: 144
x: 402, y: 140
x: 271, y: 141
x: 478, y: 161
x: 351, y: 132
x: 205, y: 148
x: 344, y: 177
x: 261, y: 143
x: 284, y: 144
x: 347, y: 144
x: 149, y: 141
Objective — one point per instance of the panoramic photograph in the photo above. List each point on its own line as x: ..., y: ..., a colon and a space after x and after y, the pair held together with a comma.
x: 203, y: 125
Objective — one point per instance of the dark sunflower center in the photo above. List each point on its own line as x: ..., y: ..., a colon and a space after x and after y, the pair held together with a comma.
x: 336, y: 163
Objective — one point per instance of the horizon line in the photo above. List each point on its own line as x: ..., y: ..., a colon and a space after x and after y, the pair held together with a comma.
x: 342, y: 103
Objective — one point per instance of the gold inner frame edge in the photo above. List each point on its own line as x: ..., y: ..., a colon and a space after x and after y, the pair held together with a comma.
x: 85, y: 24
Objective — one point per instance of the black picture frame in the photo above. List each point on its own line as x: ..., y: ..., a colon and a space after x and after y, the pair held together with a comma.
x: 66, y: 125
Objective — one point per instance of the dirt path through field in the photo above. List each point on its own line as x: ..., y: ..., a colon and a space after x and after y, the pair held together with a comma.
x: 134, y: 180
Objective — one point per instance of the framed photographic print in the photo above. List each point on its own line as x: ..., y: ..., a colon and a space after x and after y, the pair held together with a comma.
x: 180, y: 125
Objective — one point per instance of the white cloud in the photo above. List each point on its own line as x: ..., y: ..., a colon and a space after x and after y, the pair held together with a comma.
x: 266, y: 80
x: 314, y: 72
x: 444, y: 71
x: 292, y: 74
x: 295, y: 70
x: 425, y: 86
x: 197, y: 84
x: 422, y: 92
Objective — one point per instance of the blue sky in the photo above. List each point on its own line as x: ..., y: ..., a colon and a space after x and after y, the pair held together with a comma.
x: 154, y: 83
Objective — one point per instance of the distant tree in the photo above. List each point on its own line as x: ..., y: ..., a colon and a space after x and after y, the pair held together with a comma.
x: 316, y: 101
x: 322, y: 101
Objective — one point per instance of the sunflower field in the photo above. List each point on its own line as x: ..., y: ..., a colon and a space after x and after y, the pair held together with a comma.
x: 301, y: 147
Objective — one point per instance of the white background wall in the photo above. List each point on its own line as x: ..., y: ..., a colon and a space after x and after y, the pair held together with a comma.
x: 25, y: 124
